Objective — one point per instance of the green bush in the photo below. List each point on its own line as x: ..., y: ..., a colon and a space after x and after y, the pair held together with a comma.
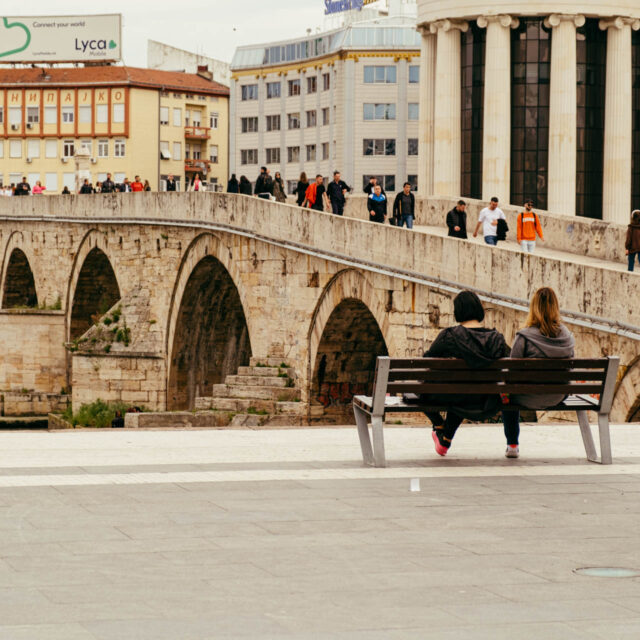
x: 97, y: 414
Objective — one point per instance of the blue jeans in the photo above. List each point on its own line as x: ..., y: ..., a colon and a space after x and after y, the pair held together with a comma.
x: 408, y: 219
x: 492, y: 240
x: 631, y: 258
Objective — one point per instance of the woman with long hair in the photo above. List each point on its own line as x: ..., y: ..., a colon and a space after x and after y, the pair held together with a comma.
x: 244, y: 186
x: 301, y: 189
x: 544, y: 336
x: 279, y: 192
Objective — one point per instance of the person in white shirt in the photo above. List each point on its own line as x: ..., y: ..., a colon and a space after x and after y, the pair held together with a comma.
x: 488, y: 219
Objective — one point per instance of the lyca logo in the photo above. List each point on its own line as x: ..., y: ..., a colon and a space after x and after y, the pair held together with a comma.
x: 94, y: 45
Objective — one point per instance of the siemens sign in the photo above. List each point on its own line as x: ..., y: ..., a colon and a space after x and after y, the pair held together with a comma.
x: 337, y: 6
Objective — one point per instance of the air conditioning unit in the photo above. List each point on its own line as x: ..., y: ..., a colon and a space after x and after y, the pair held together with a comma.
x: 15, y: 127
x: 29, y: 160
x: 64, y: 159
x: 94, y: 160
x: 29, y: 125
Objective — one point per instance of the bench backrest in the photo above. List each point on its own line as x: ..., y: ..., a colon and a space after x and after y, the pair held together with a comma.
x: 530, y: 376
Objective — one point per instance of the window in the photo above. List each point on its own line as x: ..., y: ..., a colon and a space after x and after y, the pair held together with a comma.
x: 187, y: 117
x: 412, y: 147
x: 414, y: 111
x: 50, y: 115
x: 325, y: 116
x: 88, y: 145
x: 388, y: 182
x: 325, y: 150
x: 68, y: 148
x: 84, y: 114
x: 213, y: 153
x: 294, y: 120
x: 249, y: 125
x: 196, y: 152
x: 412, y: 179
x: 273, y: 155
x: 249, y: 91
x: 119, y: 148
x: 177, y: 117
x: 196, y: 118
x: 102, y: 112
x: 51, y: 182
x: 379, y: 147
x: 33, y: 115
x: 164, y: 115
x: 165, y: 154
x: 312, y: 84
x: 294, y: 87
x: 69, y: 181
x: 118, y: 178
x: 33, y: 148
x: 273, y: 90
x: 213, y: 120
x: 311, y: 152
x: 51, y: 149
x: 379, y: 74
x: 67, y: 115
x: 103, y: 148
x: 1, y: 115
x: 14, y: 178
x: 414, y: 74
x: 379, y: 111
x: 15, y: 116
x: 249, y: 156
x: 273, y: 123
x: 292, y: 185
x: 293, y: 154
x: 311, y: 118
x: 326, y: 81
x: 15, y: 148
x: 177, y: 150
x: 118, y: 113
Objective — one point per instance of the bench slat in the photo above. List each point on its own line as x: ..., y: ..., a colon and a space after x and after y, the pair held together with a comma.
x: 481, y: 388
x: 426, y: 375
x: 514, y: 364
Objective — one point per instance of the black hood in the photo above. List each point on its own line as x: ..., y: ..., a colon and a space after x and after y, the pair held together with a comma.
x: 478, y: 347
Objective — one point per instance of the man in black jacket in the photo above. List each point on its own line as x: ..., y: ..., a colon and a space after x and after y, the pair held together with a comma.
x: 171, y: 183
x: 377, y: 205
x: 457, y: 221
x: 404, y: 207
x: 108, y: 186
x: 22, y: 188
x: 86, y: 187
x: 336, y: 192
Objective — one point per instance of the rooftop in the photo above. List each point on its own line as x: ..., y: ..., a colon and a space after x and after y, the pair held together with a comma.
x: 110, y: 75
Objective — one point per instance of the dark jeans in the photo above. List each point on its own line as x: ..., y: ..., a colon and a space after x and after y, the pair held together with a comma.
x: 492, y: 240
x: 511, y: 422
x: 407, y: 219
x: 449, y: 425
x: 337, y: 206
x: 631, y: 258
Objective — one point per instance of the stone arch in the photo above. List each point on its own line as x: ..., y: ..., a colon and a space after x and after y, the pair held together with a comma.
x: 93, y: 286
x: 346, y: 335
x: 626, y: 402
x: 208, y: 335
x: 19, y: 289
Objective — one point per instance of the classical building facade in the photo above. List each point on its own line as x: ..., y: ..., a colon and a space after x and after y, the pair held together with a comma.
x: 133, y: 121
x: 533, y: 100
x: 346, y: 99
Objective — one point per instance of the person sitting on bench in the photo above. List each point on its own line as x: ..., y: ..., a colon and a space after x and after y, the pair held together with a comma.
x: 478, y: 347
x: 543, y: 337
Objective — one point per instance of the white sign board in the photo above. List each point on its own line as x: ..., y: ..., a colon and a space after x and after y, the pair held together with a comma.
x: 61, y: 38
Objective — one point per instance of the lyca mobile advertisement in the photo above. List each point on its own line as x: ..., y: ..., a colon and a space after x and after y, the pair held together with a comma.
x: 60, y: 38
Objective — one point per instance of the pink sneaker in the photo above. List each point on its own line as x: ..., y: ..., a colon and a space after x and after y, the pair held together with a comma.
x: 441, y: 450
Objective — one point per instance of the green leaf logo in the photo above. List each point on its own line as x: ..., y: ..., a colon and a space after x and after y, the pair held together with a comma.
x: 12, y: 25
x: 112, y: 44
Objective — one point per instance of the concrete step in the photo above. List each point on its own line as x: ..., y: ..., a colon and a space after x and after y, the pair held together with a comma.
x: 248, y: 420
x: 284, y: 421
x: 264, y: 371
x: 237, y: 405
x: 280, y: 394
x: 268, y: 362
x: 291, y: 408
x: 261, y: 381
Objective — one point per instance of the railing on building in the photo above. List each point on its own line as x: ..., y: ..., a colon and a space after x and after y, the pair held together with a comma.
x: 197, y: 133
x: 201, y: 166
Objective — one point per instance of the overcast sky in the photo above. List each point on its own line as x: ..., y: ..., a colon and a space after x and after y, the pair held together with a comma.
x: 209, y: 27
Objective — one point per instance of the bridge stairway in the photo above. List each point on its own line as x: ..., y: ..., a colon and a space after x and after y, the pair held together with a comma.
x: 261, y: 394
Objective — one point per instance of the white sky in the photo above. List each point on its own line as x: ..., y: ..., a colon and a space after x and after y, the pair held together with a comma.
x: 210, y: 27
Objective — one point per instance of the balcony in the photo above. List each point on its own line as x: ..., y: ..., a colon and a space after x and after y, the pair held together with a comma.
x: 197, y: 133
x: 196, y: 166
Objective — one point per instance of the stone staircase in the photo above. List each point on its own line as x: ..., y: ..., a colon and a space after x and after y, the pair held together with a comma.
x: 262, y: 394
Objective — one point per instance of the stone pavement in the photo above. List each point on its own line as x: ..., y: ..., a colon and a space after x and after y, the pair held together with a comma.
x: 181, y: 535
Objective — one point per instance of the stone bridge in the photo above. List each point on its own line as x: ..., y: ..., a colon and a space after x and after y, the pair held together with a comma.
x: 160, y: 299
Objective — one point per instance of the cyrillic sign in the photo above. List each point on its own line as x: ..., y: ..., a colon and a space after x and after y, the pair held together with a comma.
x: 61, y: 38
x: 337, y: 6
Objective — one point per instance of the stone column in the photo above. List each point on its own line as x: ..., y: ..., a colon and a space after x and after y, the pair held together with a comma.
x: 82, y: 158
x: 427, y: 90
x: 447, y: 127
x: 618, y: 121
x: 496, y: 143
x: 563, y: 113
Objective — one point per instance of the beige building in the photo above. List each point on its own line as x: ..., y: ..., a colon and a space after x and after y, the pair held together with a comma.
x: 133, y: 121
x: 346, y: 99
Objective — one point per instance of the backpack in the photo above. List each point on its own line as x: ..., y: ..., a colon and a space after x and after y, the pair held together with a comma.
x: 310, y: 193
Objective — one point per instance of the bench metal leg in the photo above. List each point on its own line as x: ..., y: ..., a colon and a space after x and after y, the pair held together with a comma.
x: 605, y: 438
x: 378, y: 441
x: 362, y: 422
x: 587, y: 437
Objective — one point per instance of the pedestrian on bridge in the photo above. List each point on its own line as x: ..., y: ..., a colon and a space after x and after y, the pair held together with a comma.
x: 279, y: 192
x: 337, y: 191
x: 377, y: 205
x: 316, y: 195
x: 232, y: 185
x: 528, y: 227
x: 457, y: 221
x: 632, y: 244
x: 404, y: 207
x: 22, y: 188
x: 108, y: 186
x: 488, y: 220
x: 245, y: 186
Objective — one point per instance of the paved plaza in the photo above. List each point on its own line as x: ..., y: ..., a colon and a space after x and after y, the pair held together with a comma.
x: 181, y: 535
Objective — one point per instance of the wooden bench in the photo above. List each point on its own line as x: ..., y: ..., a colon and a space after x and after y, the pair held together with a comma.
x: 587, y: 384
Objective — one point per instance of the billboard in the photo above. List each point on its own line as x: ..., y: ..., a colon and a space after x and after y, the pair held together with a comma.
x: 338, y: 6
x: 61, y: 38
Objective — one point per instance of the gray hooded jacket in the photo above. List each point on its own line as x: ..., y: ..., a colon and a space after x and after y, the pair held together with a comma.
x: 530, y: 343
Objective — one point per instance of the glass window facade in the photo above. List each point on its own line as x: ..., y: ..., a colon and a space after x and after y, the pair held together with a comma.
x: 591, y: 56
x: 379, y: 74
x: 473, y: 51
x: 635, y: 183
x: 530, y: 73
